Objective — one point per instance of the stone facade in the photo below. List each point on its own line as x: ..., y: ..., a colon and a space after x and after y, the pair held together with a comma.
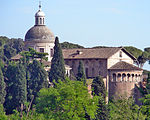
x: 119, y: 74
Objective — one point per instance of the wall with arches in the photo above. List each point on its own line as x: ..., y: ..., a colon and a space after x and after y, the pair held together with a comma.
x: 124, y: 82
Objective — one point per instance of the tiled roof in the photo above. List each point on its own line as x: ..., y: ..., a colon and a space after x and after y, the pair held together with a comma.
x: 90, y: 53
x: 124, y: 66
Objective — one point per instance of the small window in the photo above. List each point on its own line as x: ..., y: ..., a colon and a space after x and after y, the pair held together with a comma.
x: 36, y: 21
x: 42, y: 50
x: 40, y: 20
x: 120, y: 54
x: 43, y: 21
x: 52, y: 52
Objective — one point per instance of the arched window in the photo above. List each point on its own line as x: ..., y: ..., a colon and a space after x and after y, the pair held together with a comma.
x: 36, y: 21
x: 114, y: 77
x: 120, y: 54
x: 43, y: 21
x: 52, y: 52
x: 128, y: 77
x: 119, y: 77
x: 123, y: 77
x: 136, y: 76
x: 40, y: 20
x: 132, y: 77
x: 93, y: 72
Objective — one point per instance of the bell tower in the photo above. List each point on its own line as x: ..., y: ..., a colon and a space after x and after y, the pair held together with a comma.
x: 40, y: 16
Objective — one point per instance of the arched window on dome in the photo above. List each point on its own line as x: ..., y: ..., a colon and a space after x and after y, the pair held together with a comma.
x: 36, y: 21
x: 43, y: 21
x: 40, y: 20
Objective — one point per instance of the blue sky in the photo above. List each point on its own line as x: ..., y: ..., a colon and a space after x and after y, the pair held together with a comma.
x: 86, y: 22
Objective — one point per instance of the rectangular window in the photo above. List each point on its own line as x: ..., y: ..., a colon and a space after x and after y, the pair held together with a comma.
x: 52, y: 52
x: 42, y: 50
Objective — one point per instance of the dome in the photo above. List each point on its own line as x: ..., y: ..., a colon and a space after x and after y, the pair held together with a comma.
x: 39, y: 34
x: 39, y: 14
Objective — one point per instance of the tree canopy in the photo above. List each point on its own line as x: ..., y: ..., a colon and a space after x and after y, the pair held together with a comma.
x: 57, y: 71
x: 68, y: 100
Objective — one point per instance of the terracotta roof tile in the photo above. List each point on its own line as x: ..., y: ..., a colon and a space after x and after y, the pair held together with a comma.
x: 90, y: 53
x: 124, y: 66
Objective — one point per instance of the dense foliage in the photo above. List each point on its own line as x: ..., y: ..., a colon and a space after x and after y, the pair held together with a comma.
x: 57, y: 71
x: 10, y: 47
x: 68, y: 100
x: 37, y: 79
x: 98, y: 88
x: 2, y: 88
x: 81, y: 73
x: 124, y: 109
x: 67, y: 45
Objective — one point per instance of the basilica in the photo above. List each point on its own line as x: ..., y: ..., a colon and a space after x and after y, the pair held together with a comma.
x: 115, y: 64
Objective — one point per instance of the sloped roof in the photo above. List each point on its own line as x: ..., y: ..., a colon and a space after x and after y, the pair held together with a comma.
x: 124, y: 66
x: 87, y: 53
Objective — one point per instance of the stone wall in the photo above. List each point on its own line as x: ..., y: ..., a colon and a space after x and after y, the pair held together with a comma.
x: 93, y: 67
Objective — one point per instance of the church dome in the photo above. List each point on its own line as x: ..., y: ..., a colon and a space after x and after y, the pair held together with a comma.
x: 40, y: 14
x: 39, y: 33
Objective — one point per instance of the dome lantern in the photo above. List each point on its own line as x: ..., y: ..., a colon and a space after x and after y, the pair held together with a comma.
x: 39, y: 16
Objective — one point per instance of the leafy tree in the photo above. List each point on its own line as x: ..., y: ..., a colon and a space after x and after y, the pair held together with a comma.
x: 67, y: 45
x: 10, y: 102
x: 100, y: 90
x: 20, y: 84
x: 68, y: 100
x: 81, y: 73
x: 2, y: 113
x: 124, y: 109
x: 145, y: 108
x: 16, y: 87
x: 37, y: 80
x: 134, y: 51
x: 2, y: 88
x: 57, y: 71
x: 99, y: 86
x: 143, y: 58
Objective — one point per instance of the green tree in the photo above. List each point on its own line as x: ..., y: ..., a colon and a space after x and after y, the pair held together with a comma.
x: 2, y: 88
x: 67, y: 45
x: 124, y: 109
x: 99, y: 89
x: 57, y: 71
x: 2, y: 113
x: 145, y: 108
x: 20, y: 84
x: 68, y: 100
x: 16, y: 87
x: 134, y: 51
x: 81, y: 73
x: 10, y: 102
x: 98, y: 86
x: 37, y: 79
x: 143, y: 58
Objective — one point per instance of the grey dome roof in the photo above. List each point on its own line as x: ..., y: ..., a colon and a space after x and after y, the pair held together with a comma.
x: 39, y: 33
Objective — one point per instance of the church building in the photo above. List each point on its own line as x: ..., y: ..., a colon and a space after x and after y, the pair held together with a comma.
x: 115, y: 64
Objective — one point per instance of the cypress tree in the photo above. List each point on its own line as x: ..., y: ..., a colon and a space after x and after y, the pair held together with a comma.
x: 99, y: 86
x: 20, y: 84
x: 37, y: 80
x: 16, y: 87
x: 100, y: 90
x: 2, y: 88
x: 81, y: 73
x: 57, y: 71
